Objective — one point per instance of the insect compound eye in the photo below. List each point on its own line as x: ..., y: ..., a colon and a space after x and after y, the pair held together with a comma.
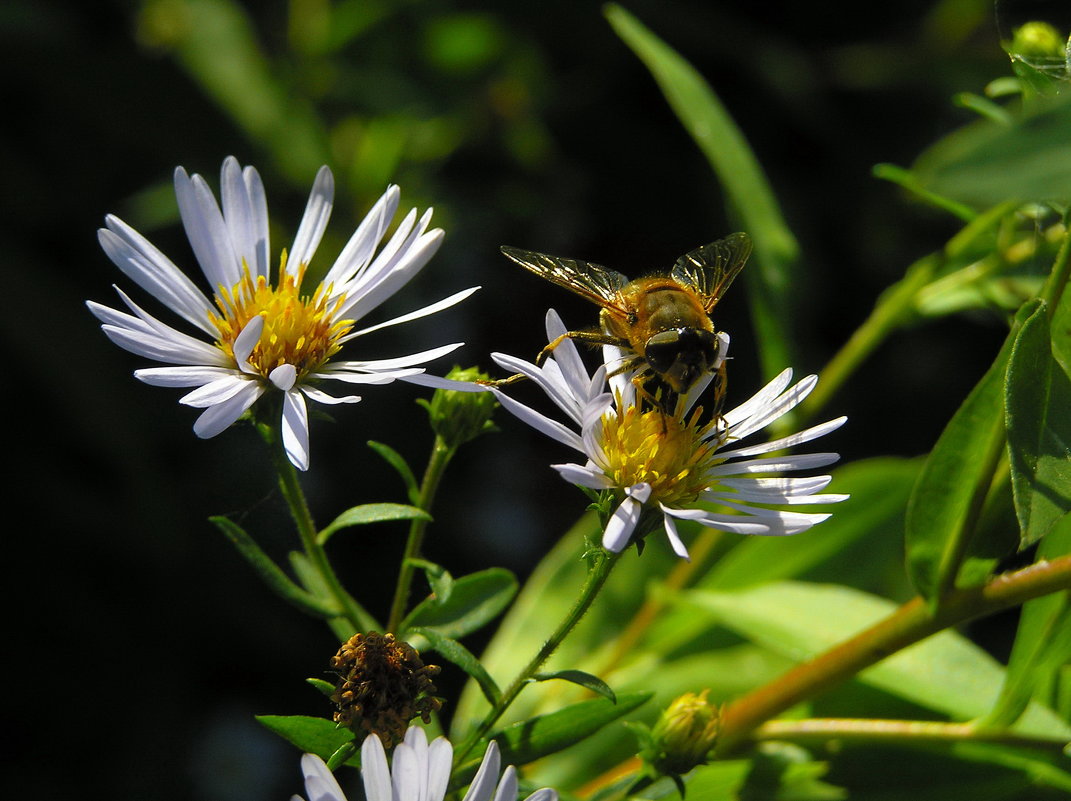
x: 663, y: 349
x: 707, y: 344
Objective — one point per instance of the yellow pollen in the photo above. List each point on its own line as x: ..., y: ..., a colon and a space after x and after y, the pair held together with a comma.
x: 665, y: 451
x: 302, y: 331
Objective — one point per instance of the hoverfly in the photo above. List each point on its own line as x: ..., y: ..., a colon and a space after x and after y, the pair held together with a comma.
x: 661, y: 320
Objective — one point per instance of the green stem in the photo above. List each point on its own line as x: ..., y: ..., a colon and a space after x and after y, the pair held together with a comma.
x: 602, y: 564
x: 441, y: 454
x: 354, y: 614
x: 909, y: 624
x: 820, y: 730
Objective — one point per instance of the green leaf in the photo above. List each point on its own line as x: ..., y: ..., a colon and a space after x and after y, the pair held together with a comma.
x: 475, y: 600
x: 945, y: 672
x: 397, y: 461
x: 271, y: 574
x: 314, y: 735
x: 325, y: 687
x: 586, y: 680
x: 987, y: 162
x: 458, y: 654
x: 1039, y: 431
x: 951, y: 489
x: 1042, y: 642
x: 372, y: 513
x: 537, y: 737
x: 439, y: 578
x: 879, y: 489
x: 749, y: 193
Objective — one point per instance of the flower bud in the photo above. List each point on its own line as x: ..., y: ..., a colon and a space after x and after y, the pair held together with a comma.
x: 1037, y: 40
x: 458, y: 416
x: 684, y: 735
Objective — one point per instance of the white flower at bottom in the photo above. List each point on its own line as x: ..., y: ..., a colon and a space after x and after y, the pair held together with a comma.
x: 420, y: 772
x: 661, y: 466
x: 265, y: 335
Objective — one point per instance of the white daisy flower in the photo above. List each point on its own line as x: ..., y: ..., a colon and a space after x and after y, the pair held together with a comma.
x: 421, y: 772
x: 259, y: 335
x: 660, y: 467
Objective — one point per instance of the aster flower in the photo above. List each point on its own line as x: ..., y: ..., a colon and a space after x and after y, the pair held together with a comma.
x: 660, y: 467
x: 260, y: 335
x: 421, y: 772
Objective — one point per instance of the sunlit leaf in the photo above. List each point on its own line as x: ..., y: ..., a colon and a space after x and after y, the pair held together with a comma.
x: 474, y: 601
x: 945, y: 672
x: 458, y: 654
x: 1039, y: 431
x: 372, y: 513
x: 314, y: 735
x: 579, y: 677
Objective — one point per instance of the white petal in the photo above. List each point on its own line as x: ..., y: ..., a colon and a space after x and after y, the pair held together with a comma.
x: 400, y: 361
x: 147, y: 336
x: 774, y: 464
x: 208, y: 235
x: 567, y: 355
x: 786, y: 442
x: 760, y: 399
x: 436, y: 382
x: 486, y: 777
x: 313, y: 221
x: 731, y: 523
x: 322, y: 397
x: 320, y: 783
x: 217, y: 418
x: 440, y: 754
x: 552, y: 428
x: 385, y: 377
x: 772, y: 497
x: 374, y: 771
x: 245, y: 213
x: 675, y: 541
x: 246, y: 341
x: 624, y: 519
x: 150, y: 269
x: 405, y: 774
x: 283, y: 377
x: 804, y: 485
x: 296, y: 429
x: 183, y: 376
x: 433, y: 308
x: 589, y: 477
x: 543, y: 794
x: 785, y: 402
x: 547, y: 379
x: 219, y: 391
x: 389, y: 279
x: 507, y: 787
x: 358, y: 251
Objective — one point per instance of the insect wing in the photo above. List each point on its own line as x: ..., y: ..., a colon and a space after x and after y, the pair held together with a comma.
x: 710, y: 269
x: 598, y: 284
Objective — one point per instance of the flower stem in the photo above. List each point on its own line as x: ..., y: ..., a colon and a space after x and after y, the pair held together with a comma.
x: 441, y: 454
x: 909, y: 624
x: 919, y: 731
x: 355, y: 616
x: 602, y: 563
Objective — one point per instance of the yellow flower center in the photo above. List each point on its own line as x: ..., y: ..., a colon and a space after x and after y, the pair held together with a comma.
x: 667, y: 452
x: 299, y: 330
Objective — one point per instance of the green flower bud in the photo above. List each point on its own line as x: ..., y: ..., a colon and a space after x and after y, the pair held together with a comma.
x: 684, y: 735
x: 459, y: 416
x: 1037, y: 40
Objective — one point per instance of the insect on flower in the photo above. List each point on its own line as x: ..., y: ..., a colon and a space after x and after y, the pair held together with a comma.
x: 661, y: 321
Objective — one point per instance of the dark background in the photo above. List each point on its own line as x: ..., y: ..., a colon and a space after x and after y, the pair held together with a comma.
x: 142, y: 643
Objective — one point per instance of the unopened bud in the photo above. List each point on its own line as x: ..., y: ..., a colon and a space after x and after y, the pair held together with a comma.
x: 684, y: 735
x: 458, y: 416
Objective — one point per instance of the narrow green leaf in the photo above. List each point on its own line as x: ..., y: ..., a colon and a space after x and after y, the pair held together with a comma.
x: 951, y: 489
x: 750, y: 195
x: 906, y: 180
x: 879, y: 489
x: 456, y: 653
x: 537, y: 737
x: 397, y: 461
x: 987, y: 162
x: 1042, y: 642
x: 325, y: 687
x: 945, y: 672
x: 475, y: 600
x: 593, y: 683
x: 439, y: 578
x: 314, y: 735
x: 271, y: 574
x: 1039, y: 431
x: 372, y: 513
